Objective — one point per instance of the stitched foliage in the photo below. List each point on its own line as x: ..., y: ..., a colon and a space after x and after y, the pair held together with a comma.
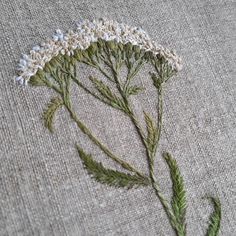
x: 108, y: 176
x: 151, y: 132
x: 215, y: 218
x: 108, y: 95
x: 178, y: 202
x: 118, y: 52
x: 50, y: 112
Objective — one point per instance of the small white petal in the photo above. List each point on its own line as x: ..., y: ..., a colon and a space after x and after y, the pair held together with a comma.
x: 55, y: 38
x: 58, y: 31
x: 25, y: 57
x: 18, y: 78
x: 22, y: 81
x: 61, y: 37
x: 36, y: 48
x: 23, y: 62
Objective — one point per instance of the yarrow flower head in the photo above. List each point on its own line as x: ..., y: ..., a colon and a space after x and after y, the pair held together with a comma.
x: 86, y: 33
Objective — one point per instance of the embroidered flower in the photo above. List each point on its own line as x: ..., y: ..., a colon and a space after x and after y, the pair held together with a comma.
x: 116, y: 46
x: 88, y: 32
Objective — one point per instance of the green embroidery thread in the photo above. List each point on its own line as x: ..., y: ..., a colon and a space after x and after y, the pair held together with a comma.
x: 109, y: 57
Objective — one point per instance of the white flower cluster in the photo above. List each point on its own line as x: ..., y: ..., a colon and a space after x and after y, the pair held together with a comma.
x: 86, y: 33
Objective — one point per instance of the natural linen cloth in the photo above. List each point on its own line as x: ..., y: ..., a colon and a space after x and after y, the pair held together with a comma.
x: 44, y: 189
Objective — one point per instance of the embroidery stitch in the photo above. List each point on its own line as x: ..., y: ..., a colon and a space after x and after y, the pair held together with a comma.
x: 108, y: 47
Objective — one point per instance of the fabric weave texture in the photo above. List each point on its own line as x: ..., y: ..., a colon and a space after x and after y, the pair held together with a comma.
x: 44, y: 189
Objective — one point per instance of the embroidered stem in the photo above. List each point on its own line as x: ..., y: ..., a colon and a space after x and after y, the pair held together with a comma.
x: 86, y: 131
x: 88, y: 91
x: 151, y: 154
x: 64, y: 91
x: 160, y: 115
x: 178, y: 227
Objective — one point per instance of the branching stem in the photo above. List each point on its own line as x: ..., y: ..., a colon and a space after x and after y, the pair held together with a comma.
x: 86, y: 130
x: 95, y: 140
x: 151, y: 154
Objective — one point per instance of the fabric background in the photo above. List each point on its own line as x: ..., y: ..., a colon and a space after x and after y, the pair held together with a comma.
x: 44, y: 189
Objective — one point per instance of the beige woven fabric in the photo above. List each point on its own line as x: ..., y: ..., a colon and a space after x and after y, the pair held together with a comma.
x: 44, y: 189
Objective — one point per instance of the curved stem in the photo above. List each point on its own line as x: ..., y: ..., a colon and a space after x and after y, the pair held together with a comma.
x: 87, y: 90
x: 172, y: 219
x: 86, y: 131
x: 151, y: 155
x: 160, y: 116
x: 175, y: 225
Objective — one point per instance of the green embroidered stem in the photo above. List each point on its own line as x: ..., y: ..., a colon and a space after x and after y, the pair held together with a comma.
x: 180, y: 231
x: 64, y: 91
x: 160, y: 115
x: 88, y: 91
x: 162, y: 198
x: 86, y: 131
x: 179, y: 228
x: 172, y: 219
x: 150, y: 155
x: 176, y: 226
x: 130, y: 112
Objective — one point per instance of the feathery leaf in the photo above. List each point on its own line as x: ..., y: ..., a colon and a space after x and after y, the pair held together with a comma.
x: 179, y: 202
x: 106, y: 92
x: 50, y: 112
x: 215, y: 218
x: 108, y: 176
x: 133, y: 90
x: 36, y: 81
x: 151, y: 132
